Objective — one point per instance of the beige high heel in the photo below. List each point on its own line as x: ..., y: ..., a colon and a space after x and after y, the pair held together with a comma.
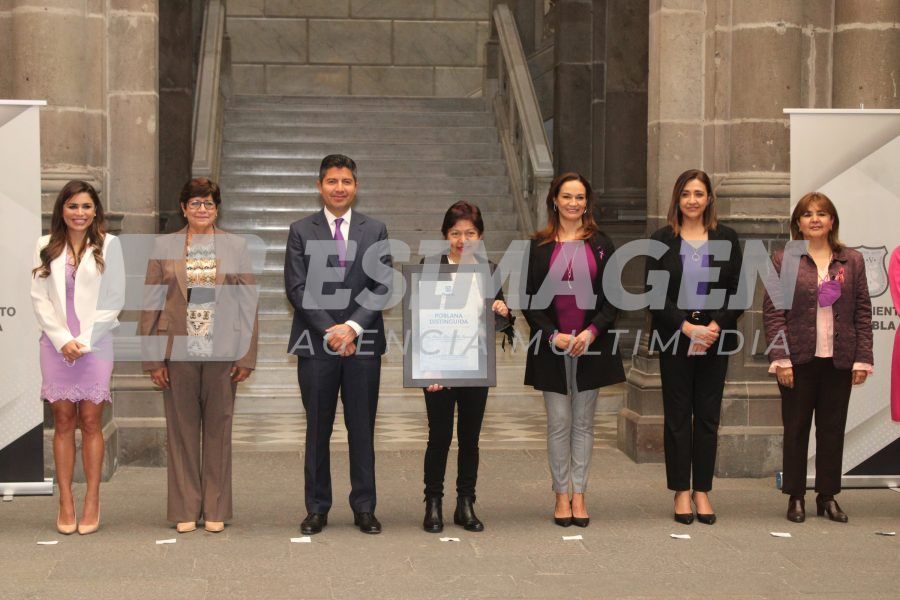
x: 89, y: 529
x: 65, y: 529
x: 214, y: 526
x: 186, y: 526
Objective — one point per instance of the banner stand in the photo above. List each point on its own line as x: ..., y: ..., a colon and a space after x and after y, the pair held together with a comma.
x: 851, y: 155
x: 21, y: 410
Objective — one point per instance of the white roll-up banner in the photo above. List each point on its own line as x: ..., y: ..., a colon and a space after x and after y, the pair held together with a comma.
x: 853, y: 157
x: 21, y: 412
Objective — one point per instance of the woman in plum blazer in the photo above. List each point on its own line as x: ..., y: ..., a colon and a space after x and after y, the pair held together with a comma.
x: 820, y: 346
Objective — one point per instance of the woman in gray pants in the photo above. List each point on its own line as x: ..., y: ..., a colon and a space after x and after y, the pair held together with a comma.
x: 570, y: 318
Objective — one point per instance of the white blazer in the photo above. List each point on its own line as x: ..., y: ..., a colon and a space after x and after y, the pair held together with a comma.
x: 98, y: 297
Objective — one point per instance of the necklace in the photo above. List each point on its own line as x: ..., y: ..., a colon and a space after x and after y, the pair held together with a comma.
x: 568, y: 274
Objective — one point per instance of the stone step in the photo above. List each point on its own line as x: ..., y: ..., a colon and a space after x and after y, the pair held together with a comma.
x: 373, y: 202
x: 275, y: 254
x: 276, y: 238
x: 428, y: 219
x: 496, y: 245
x: 361, y: 151
x: 398, y: 117
x: 370, y: 133
x: 300, y: 184
x: 371, y: 167
x: 355, y: 103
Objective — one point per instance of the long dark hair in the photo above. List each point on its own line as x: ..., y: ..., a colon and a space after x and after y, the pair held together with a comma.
x: 825, y: 203
x: 710, y: 219
x: 588, y: 224
x: 59, y: 233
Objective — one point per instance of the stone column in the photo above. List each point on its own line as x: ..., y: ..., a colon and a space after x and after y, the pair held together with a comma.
x: 675, y: 128
x: 866, y: 53
x: 578, y: 103
x: 745, y: 63
x: 133, y: 144
x: 176, y: 105
x: 56, y: 54
x: 133, y: 99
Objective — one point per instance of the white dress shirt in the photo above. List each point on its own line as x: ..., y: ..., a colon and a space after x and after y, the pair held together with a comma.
x: 345, y: 231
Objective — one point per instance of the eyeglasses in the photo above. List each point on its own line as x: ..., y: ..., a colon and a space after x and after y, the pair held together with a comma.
x: 196, y: 204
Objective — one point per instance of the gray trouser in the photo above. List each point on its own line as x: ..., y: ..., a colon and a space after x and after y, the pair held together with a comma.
x: 570, y: 433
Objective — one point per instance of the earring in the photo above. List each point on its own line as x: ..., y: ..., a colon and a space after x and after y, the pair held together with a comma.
x: 555, y: 208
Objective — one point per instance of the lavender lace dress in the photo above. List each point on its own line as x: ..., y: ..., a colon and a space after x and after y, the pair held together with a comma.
x: 86, y: 379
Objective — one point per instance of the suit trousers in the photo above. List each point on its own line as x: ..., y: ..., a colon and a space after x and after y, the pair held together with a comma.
x: 199, y: 407
x: 357, y: 379
x: 470, y: 403
x: 570, y: 433
x: 692, y: 388
x: 824, y: 391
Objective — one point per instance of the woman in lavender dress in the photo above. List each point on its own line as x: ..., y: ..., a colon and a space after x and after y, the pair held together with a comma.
x: 77, y: 290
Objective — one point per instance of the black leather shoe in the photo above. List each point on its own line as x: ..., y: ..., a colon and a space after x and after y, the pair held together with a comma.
x: 563, y: 521
x: 581, y: 521
x: 826, y: 504
x: 465, y: 514
x: 434, y: 518
x: 313, y: 523
x: 366, y: 522
x: 796, y: 511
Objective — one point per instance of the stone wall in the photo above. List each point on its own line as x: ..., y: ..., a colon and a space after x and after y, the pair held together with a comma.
x: 95, y: 63
x: 358, y: 47
x: 721, y: 73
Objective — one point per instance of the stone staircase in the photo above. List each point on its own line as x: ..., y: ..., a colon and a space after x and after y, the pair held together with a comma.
x: 416, y: 156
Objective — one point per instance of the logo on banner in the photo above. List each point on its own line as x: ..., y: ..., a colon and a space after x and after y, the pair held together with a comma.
x: 876, y: 269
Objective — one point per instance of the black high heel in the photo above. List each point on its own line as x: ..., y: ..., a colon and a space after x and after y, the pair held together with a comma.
x: 706, y: 519
x: 826, y: 504
x: 684, y: 518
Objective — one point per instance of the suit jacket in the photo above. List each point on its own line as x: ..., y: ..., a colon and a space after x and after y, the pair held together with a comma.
x: 98, y: 296
x: 852, y: 313
x: 235, y: 323
x: 545, y: 367
x: 314, y: 313
x: 667, y: 320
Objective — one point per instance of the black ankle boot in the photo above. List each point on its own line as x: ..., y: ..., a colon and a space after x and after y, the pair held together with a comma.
x: 465, y: 514
x: 434, y: 517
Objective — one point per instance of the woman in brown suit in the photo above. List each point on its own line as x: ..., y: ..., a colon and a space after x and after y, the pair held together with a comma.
x: 820, y: 346
x: 205, y: 345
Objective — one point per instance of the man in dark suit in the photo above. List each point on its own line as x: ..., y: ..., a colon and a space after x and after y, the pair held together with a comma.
x: 338, y: 336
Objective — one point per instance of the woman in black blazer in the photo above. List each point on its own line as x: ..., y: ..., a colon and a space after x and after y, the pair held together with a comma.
x: 570, y: 319
x: 463, y: 226
x: 693, y: 366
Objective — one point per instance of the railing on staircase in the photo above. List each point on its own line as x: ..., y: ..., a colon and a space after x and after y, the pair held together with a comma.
x: 211, y: 92
x: 521, y: 128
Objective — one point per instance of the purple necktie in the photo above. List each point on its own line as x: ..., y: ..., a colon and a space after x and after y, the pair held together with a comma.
x: 341, y: 242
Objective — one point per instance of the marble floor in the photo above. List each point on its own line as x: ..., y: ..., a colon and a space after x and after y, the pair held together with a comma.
x: 500, y: 430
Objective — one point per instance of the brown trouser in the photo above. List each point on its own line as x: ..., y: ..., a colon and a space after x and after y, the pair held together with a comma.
x: 199, y: 406
x: 822, y: 392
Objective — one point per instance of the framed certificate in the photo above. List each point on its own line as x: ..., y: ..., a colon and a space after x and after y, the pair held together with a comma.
x: 448, y: 326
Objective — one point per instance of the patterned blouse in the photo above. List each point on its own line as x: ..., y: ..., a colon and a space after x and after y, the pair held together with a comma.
x: 201, y: 282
